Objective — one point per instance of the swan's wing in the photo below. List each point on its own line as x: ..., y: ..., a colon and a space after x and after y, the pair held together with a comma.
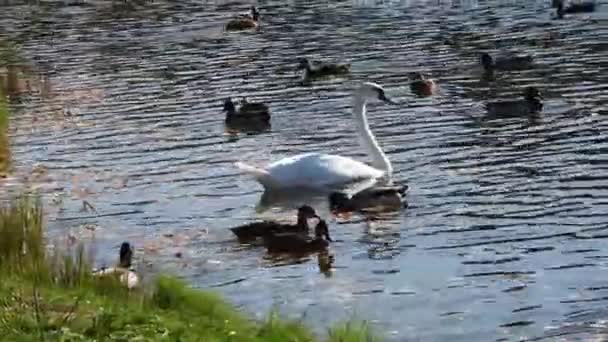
x: 320, y: 170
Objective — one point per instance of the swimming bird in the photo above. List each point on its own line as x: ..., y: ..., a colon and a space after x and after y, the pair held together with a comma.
x: 322, y: 171
x: 530, y: 104
x: 420, y: 85
x: 245, y: 21
x: 577, y: 7
x: 123, y: 269
x: 321, y: 69
x: 252, y: 113
x: 298, y: 243
x: 379, y: 198
x: 505, y: 63
x: 252, y: 231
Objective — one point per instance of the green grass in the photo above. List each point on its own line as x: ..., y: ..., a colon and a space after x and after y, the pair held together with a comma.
x: 50, y: 295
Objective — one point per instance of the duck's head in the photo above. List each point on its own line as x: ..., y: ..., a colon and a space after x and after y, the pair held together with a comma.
x: 126, y: 255
x: 306, y: 212
x: 229, y: 106
x: 255, y: 14
x: 369, y: 91
x: 321, y: 231
x: 416, y: 76
x: 486, y: 60
x: 560, y: 9
x: 532, y: 93
x: 303, y: 64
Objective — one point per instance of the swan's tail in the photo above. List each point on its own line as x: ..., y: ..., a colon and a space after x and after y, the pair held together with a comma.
x: 260, y: 175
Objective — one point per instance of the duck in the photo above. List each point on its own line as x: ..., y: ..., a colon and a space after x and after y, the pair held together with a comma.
x: 505, y: 63
x: 378, y: 198
x: 321, y: 69
x: 422, y: 86
x: 299, y: 243
x: 123, y: 269
x: 245, y: 21
x: 248, y: 113
x: 530, y: 104
x: 577, y: 7
x: 321, y: 171
x: 254, y: 230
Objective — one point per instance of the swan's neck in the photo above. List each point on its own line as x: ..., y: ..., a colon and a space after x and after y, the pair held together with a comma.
x: 367, y: 139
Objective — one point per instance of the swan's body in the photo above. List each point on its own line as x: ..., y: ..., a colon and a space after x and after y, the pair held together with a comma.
x: 327, y: 171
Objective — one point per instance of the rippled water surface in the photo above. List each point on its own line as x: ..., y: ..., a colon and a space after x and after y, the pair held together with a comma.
x: 505, y: 234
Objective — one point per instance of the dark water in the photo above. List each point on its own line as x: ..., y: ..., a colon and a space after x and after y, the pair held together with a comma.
x: 505, y: 235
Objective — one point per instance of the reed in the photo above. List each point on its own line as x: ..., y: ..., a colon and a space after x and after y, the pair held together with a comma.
x: 51, y: 294
x: 5, y: 151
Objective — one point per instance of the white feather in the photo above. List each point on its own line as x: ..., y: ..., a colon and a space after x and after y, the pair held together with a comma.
x: 323, y: 171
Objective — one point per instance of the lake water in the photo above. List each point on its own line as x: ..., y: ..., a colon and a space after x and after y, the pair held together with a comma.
x: 505, y: 234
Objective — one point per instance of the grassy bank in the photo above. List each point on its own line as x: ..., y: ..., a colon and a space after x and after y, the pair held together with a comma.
x: 51, y: 295
x: 5, y: 152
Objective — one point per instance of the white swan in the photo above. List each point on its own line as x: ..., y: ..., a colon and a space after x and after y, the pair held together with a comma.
x: 326, y: 171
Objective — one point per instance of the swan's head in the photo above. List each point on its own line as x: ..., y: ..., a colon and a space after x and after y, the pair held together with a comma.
x: 126, y: 255
x: 369, y: 91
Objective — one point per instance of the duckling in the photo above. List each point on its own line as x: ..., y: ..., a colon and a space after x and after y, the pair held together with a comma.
x: 298, y: 243
x: 505, y: 63
x: 321, y: 69
x: 253, y: 113
x: 421, y: 86
x: 530, y: 104
x: 384, y: 198
x: 252, y: 231
x: 122, y: 270
x: 578, y: 7
x: 245, y: 21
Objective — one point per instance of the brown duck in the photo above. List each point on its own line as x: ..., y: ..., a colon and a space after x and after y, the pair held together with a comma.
x: 252, y: 231
x: 321, y: 69
x: 245, y: 21
x: 505, y: 63
x: 379, y: 198
x: 530, y: 104
x: 299, y: 243
x: 422, y: 86
x: 248, y: 113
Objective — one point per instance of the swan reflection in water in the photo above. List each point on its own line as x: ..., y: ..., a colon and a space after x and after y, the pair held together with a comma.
x: 371, y: 202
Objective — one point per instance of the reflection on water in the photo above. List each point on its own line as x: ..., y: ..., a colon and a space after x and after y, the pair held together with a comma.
x: 504, y: 234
